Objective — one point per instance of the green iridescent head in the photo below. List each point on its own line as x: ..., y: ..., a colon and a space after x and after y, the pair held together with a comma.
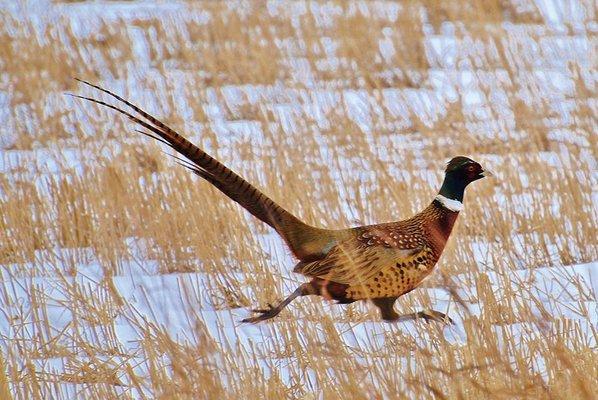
x: 459, y: 173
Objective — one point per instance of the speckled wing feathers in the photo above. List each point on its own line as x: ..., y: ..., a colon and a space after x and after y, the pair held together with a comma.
x: 358, y: 259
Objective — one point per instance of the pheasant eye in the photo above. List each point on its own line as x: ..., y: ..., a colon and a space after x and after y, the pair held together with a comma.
x: 471, y: 168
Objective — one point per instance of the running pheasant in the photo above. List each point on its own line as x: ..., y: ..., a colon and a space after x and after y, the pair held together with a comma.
x: 375, y: 262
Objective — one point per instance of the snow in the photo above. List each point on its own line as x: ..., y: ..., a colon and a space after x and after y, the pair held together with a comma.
x: 180, y: 302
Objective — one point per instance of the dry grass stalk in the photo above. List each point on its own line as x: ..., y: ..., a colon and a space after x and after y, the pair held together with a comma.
x: 342, y: 130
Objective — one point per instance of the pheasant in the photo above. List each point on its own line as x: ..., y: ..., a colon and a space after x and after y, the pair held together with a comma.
x: 377, y: 263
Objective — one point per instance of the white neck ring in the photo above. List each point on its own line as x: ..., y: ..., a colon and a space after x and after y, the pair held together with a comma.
x: 450, y: 204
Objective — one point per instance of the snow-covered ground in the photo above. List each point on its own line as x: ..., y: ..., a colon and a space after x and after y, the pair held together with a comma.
x: 181, y: 302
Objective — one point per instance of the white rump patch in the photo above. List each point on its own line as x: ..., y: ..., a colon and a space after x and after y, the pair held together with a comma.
x: 453, y: 205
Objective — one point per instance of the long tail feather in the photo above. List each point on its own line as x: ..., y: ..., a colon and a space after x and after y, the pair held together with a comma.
x: 305, y: 241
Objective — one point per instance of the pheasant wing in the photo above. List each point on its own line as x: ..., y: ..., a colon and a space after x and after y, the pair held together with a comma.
x: 354, y: 261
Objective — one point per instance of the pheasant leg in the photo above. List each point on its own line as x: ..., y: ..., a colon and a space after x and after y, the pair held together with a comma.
x: 426, y: 315
x: 273, y: 311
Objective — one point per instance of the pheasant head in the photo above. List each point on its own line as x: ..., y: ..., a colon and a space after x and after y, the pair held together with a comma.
x: 459, y: 173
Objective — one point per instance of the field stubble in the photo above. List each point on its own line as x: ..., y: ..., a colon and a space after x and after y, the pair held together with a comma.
x: 124, y: 276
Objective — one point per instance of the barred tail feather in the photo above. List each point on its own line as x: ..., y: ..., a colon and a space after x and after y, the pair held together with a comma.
x: 304, y: 240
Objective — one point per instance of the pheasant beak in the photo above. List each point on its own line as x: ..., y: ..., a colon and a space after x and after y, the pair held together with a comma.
x: 487, y: 173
